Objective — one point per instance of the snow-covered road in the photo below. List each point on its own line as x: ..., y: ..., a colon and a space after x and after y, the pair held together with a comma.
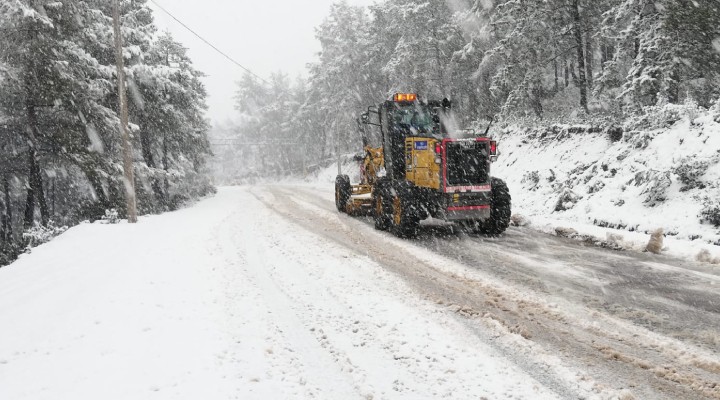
x: 267, y: 292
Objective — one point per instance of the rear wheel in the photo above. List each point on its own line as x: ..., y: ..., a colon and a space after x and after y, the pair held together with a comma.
x: 343, y: 190
x: 501, y: 209
x: 381, y: 206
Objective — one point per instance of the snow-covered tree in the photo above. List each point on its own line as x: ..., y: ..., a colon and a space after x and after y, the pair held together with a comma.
x: 168, y: 106
x: 665, y: 50
x: 59, y: 139
x: 343, y: 81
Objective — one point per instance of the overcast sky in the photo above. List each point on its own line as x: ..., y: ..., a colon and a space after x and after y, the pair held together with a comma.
x: 263, y: 35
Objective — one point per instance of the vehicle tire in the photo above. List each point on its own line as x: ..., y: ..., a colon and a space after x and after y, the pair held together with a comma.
x: 405, y: 218
x: 343, y: 191
x: 500, y: 210
x: 381, y: 205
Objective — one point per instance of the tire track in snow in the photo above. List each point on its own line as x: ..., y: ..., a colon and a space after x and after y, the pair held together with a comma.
x: 617, y: 355
x: 288, y: 349
x: 430, y: 283
x: 390, y: 344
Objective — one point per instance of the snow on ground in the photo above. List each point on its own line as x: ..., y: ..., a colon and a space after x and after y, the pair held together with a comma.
x: 228, y: 300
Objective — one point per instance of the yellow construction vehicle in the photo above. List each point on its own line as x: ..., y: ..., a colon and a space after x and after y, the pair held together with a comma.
x: 412, y: 169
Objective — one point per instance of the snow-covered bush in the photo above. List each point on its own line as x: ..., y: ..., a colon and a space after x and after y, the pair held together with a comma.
x: 716, y: 111
x: 689, y: 171
x: 531, y: 180
x: 664, y: 115
x: 8, y: 253
x: 597, y: 186
x: 615, y: 133
x: 39, y: 234
x: 656, y: 184
x: 111, y: 216
x: 711, y: 211
x: 639, y: 140
x: 566, y: 200
x: 187, y: 185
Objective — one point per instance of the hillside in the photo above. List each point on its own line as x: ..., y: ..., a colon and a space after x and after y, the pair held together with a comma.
x: 635, y: 181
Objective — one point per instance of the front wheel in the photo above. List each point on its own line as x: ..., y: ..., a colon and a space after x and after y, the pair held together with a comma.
x: 405, y: 219
x: 500, y: 211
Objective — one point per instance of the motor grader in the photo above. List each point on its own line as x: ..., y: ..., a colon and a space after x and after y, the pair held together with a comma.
x: 413, y: 168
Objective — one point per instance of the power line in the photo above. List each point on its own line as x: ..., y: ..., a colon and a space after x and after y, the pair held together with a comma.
x: 208, y: 43
x: 245, y: 143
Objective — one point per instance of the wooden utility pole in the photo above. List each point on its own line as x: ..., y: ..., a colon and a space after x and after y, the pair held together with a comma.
x: 129, y: 176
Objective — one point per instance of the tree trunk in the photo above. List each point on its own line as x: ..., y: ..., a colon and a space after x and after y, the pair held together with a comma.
x: 30, y: 197
x: 35, y: 192
x: 6, y: 228
x: 150, y: 161
x: 556, y: 88
x: 605, y: 54
x: 166, y: 167
x: 567, y: 72
x: 323, y: 143
x: 673, y: 85
x: 52, y: 186
x: 3, y: 227
x: 573, y: 74
x: 589, y: 59
x: 536, y: 101
x: 577, y: 31
x: 474, y: 101
x: 636, y: 48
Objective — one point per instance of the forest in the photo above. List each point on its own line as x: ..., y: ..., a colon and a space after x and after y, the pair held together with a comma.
x: 522, y: 62
x: 60, y: 157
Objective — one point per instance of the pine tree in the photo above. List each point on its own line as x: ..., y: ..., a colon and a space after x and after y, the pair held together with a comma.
x: 663, y: 47
x: 59, y: 141
x: 168, y: 106
x: 342, y: 79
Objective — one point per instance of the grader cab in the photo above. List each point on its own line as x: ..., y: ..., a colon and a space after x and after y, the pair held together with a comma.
x: 412, y: 169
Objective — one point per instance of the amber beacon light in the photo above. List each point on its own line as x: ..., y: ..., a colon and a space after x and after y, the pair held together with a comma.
x: 403, y: 97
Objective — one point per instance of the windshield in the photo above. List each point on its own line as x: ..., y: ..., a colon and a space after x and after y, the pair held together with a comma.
x: 416, y: 118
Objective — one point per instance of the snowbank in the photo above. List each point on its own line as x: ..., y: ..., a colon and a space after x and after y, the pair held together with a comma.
x: 601, y: 181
